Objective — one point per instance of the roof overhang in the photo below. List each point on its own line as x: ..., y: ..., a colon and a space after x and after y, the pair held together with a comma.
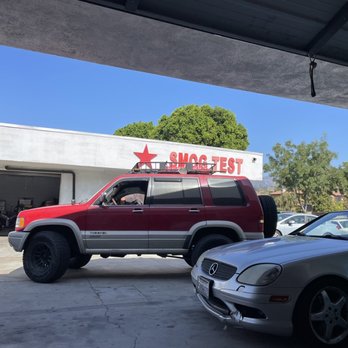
x: 125, y: 37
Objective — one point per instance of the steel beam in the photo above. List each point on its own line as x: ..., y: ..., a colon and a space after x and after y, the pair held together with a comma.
x: 336, y: 23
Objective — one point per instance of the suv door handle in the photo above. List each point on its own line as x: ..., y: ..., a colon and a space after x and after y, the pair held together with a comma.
x: 194, y: 210
x: 137, y: 210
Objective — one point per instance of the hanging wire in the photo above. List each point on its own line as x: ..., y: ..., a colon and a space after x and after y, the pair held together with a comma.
x: 312, y: 66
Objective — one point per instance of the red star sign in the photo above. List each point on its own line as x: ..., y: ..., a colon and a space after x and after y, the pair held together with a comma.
x: 145, y: 156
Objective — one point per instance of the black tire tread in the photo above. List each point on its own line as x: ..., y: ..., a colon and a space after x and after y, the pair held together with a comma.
x: 79, y: 261
x: 188, y: 258
x: 61, y: 252
x: 269, y: 215
x: 205, y: 243
x: 301, y: 324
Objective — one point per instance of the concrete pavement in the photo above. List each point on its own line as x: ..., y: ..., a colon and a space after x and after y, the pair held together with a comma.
x: 142, y: 302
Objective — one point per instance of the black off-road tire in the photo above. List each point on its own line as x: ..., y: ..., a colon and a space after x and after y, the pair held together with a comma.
x: 270, y: 215
x: 46, y: 257
x: 79, y: 261
x: 322, y: 305
x: 206, y: 243
x: 188, y: 258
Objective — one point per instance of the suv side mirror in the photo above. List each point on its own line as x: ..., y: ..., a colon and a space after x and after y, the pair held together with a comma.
x: 103, y: 199
x: 291, y: 222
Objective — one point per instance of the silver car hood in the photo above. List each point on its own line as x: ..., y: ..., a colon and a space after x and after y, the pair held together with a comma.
x: 280, y: 250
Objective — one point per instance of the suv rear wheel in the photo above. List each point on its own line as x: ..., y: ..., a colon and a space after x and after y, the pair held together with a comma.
x: 79, y: 261
x: 204, y: 244
x: 46, y: 257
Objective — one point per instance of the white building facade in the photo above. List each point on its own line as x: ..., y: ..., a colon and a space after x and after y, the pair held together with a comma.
x: 41, y: 165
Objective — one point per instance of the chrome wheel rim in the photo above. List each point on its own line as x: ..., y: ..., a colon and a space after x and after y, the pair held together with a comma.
x: 329, y: 315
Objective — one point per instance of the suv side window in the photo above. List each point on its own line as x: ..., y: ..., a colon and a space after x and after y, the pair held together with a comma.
x: 176, y: 191
x: 225, y: 192
x: 127, y: 192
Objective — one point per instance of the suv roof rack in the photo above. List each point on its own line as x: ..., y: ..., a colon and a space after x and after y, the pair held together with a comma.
x: 173, y: 168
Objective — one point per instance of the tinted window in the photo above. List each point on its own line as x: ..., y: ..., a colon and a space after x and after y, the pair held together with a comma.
x: 176, y: 191
x: 192, y: 194
x: 300, y: 219
x: 225, y: 192
x: 282, y: 216
x: 310, y: 218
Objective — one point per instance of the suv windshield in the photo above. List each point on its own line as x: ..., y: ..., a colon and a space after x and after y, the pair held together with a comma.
x: 329, y: 225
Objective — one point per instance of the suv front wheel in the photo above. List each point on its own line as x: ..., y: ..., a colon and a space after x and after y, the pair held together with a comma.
x: 46, y: 257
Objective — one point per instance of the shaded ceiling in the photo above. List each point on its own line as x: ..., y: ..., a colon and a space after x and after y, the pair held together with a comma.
x: 260, y: 46
x: 316, y: 28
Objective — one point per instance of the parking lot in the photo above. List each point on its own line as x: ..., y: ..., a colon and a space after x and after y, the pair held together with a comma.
x: 130, y: 302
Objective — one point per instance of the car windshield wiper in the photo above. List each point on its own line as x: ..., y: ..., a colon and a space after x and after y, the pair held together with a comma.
x: 328, y: 235
x: 335, y: 236
x: 299, y: 233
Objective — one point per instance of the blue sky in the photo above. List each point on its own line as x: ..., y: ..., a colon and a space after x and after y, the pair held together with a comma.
x: 48, y: 91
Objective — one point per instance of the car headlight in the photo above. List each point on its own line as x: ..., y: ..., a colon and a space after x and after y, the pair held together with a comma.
x: 261, y: 274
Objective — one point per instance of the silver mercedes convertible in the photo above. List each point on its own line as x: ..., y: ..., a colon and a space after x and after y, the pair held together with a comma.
x: 296, y: 284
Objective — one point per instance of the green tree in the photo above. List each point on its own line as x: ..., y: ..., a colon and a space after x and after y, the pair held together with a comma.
x: 340, y: 179
x: 305, y: 170
x: 287, y: 201
x: 137, y: 130
x: 201, y: 125
x: 342, y: 174
x: 327, y: 203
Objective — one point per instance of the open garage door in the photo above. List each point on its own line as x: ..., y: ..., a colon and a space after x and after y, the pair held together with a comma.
x: 23, y: 190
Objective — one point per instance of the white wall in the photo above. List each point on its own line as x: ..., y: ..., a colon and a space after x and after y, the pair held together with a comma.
x: 58, y: 149
x: 88, y: 182
x: 98, y: 158
x: 65, y: 190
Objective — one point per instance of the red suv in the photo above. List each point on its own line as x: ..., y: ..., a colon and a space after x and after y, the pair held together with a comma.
x: 168, y: 209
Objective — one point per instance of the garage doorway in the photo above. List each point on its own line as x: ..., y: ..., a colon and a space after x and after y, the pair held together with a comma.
x: 23, y: 190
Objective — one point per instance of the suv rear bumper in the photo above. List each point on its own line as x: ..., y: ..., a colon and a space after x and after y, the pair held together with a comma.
x: 17, y: 239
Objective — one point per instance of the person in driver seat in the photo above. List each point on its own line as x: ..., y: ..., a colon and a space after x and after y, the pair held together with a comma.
x: 131, y: 199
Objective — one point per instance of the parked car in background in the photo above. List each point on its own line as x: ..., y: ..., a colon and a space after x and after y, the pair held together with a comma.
x: 341, y: 224
x: 296, y: 284
x: 291, y: 222
x: 283, y: 214
x: 334, y: 227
